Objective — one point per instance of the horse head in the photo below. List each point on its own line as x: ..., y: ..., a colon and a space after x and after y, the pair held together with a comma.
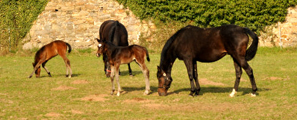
x: 164, y: 82
x: 101, y: 44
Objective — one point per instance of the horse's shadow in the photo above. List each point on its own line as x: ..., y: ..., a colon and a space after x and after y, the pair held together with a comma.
x: 125, y: 73
x: 59, y: 75
x: 130, y: 89
x: 219, y: 90
x: 203, y: 90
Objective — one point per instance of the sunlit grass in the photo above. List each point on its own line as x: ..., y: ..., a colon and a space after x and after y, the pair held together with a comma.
x: 87, y: 94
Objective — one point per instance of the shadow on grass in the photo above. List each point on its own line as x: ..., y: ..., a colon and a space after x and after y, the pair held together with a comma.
x: 126, y: 73
x: 58, y: 75
x: 130, y: 89
x: 220, y: 90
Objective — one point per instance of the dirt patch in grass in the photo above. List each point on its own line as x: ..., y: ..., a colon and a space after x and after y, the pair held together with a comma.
x: 80, y: 82
x: 96, y: 98
x: 76, y: 112
x: 52, y: 114
x: 62, y: 87
x: 137, y: 100
x: 205, y: 81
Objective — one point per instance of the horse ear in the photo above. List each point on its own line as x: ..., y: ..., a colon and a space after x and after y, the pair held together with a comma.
x: 98, y: 40
x: 158, y: 67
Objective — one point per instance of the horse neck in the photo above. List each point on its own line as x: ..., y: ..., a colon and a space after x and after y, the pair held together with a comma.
x: 166, y: 63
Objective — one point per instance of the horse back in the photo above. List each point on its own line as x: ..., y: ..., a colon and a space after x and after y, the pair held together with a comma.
x: 114, y: 32
x: 208, y: 44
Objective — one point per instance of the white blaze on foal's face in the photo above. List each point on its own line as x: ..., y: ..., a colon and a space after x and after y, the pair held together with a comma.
x: 99, y: 45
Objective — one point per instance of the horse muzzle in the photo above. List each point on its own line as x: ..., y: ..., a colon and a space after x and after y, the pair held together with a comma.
x: 98, y: 55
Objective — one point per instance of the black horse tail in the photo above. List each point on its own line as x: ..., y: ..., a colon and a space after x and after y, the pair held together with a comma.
x: 251, y: 51
x: 69, y: 47
x: 112, y: 31
x: 147, y: 55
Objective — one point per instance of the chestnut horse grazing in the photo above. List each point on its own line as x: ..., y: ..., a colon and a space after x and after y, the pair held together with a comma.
x: 192, y: 44
x: 116, y: 33
x: 118, y: 55
x: 49, y: 51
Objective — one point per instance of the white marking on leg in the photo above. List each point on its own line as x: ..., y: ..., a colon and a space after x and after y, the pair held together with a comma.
x: 253, y: 94
x: 233, y: 93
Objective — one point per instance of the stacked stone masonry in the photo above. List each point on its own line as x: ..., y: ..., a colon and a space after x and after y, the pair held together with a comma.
x: 78, y: 21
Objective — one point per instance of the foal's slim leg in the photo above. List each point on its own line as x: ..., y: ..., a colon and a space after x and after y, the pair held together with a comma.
x: 130, y: 71
x: 146, y: 74
x: 48, y: 72
x: 115, y: 70
x: 67, y: 63
x: 36, y: 67
x: 112, y: 80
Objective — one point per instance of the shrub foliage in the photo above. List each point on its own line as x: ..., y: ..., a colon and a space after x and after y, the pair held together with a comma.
x: 254, y: 14
x: 16, y: 18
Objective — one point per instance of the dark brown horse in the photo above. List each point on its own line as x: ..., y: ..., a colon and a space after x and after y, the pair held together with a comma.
x: 116, y: 33
x: 118, y: 55
x: 192, y: 44
x: 49, y: 51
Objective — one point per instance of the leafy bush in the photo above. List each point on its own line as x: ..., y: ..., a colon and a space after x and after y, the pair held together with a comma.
x: 255, y: 14
x: 16, y: 18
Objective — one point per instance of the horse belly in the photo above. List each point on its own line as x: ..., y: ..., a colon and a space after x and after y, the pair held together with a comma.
x: 210, y: 57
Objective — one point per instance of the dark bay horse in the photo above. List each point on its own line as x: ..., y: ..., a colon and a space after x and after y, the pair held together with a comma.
x: 49, y: 51
x: 118, y: 55
x: 116, y: 33
x: 192, y: 44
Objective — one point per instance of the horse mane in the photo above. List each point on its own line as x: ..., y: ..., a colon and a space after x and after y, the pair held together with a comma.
x: 168, y: 44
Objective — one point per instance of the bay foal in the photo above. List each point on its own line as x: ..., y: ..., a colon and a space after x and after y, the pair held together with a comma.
x: 118, y: 55
x: 49, y: 51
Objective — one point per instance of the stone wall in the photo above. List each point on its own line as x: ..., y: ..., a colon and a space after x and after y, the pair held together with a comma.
x: 282, y: 34
x: 78, y: 21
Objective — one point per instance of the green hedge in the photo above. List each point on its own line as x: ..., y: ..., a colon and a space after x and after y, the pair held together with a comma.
x: 16, y: 19
x: 254, y: 14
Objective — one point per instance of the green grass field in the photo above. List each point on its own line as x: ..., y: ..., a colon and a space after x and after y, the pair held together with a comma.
x: 86, y: 94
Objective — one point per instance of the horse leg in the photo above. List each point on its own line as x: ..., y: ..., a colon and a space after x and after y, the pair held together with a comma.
x: 67, y: 63
x: 196, y: 78
x: 116, y: 68
x: 130, y: 71
x: 112, y: 80
x: 36, y: 67
x: 48, y: 72
x: 238, y: 71
x: 107, y: 68
x: 249, y: 71
x: 146, y: 74
x: 189, y: 65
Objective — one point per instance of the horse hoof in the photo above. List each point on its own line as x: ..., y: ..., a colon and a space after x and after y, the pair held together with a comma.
x: 29, y: 76
x: 118, y: 94
x: 146, y: 92
x: 253, y: 95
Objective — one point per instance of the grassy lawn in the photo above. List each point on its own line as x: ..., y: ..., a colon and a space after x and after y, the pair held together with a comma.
x: 86, y: 94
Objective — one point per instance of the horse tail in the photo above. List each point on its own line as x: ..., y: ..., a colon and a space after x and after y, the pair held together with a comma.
x: 147, y: 55
x: 251, y: 51
x: 112, y: 31
x: 69, y: 47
